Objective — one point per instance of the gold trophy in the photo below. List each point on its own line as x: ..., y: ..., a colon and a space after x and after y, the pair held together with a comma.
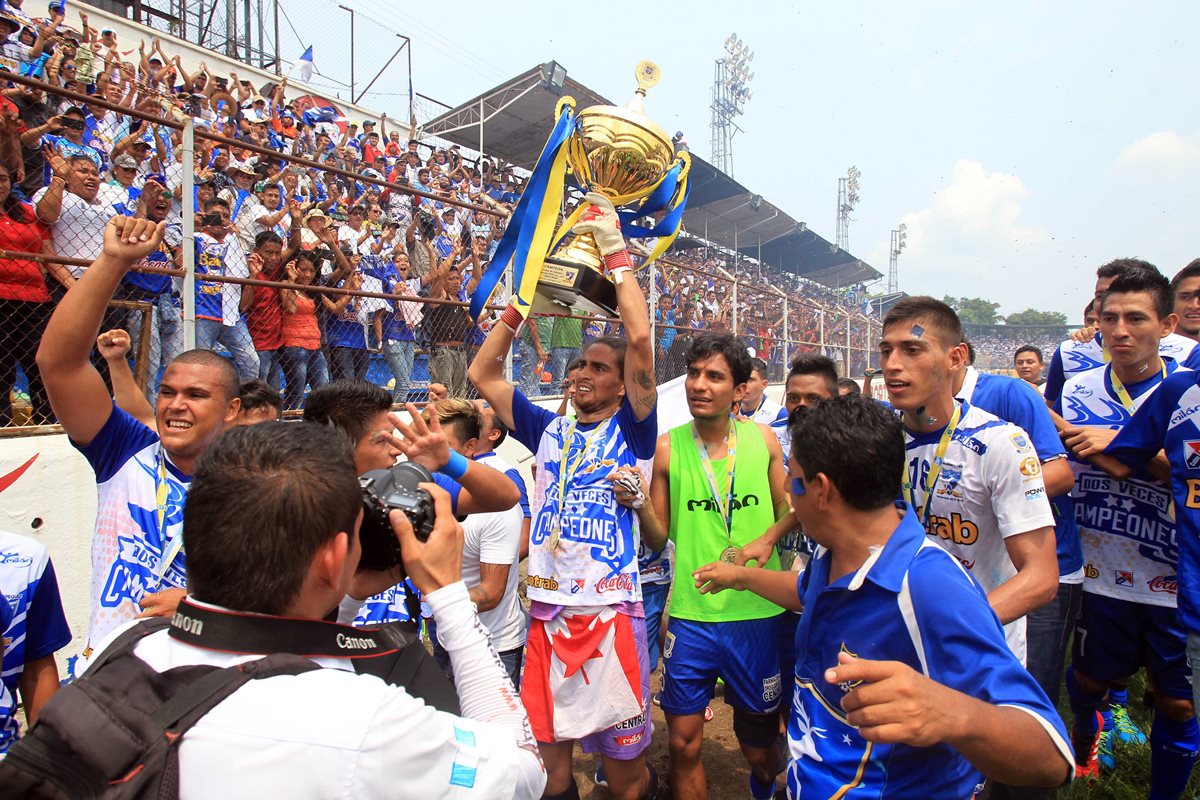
x: 619, y: 152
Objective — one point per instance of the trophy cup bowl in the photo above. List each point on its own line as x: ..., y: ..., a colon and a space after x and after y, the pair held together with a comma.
x: 620, y: 153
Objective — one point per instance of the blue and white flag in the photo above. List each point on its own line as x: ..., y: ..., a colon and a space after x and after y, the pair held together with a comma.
x: 304, y: 67
x: 317, y: 114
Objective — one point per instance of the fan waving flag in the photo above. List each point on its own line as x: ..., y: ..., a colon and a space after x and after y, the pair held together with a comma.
x: 317, y: 114
x: 304, y: 67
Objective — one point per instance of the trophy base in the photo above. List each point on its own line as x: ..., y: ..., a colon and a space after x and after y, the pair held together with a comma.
x: 574, y: 286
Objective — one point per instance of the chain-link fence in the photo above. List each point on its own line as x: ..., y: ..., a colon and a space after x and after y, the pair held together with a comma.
x: 297, y: 261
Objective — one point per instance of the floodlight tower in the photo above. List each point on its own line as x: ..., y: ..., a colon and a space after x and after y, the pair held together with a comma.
x: 847, y: 200
x: 899, y: 240
x: 731, y: 92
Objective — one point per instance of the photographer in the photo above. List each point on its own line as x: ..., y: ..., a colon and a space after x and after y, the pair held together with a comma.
x: 254, y: 502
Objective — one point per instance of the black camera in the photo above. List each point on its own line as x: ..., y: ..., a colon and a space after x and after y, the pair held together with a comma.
x: 426, y: 223
x: 383, y: 490
x: 212, y: 221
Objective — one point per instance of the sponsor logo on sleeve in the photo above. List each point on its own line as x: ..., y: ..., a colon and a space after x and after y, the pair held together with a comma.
x: 1191, y: 453
x: 1034, y: 494
x: 1021, y: 442
x: 1030, y: 467
x: 1124, y: 578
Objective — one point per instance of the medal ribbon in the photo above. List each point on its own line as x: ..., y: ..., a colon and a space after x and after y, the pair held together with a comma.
x: 725, y: 508
x: 935, y: 469
x: 1119, y: 388
x: 565, y: 473
x: 171, y: 548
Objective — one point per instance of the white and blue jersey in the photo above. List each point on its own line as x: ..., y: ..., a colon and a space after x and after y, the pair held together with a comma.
x: 131, y: 536
x: 1167, y: 420
x: 500, y: 465
x: 910, y: 602
x: 1126, y: 527
x: 988, y: 489
x: 1015, y: 401
x: 595, y: 563
x: 389, y: 605
x: 36, y: 626
x: 1072, y: 358
x: 9, y: 727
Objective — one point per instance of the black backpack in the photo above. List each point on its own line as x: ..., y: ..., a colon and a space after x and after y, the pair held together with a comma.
x: 113, y: 732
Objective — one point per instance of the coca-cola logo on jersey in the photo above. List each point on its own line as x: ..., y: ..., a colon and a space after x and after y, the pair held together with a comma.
x: 1164, y: 583
x: 619, y: 583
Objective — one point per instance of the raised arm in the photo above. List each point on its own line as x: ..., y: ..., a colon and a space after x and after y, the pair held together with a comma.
x: 113, y: 347
x: 601, y: 221
x: 77, y: 392
x: 486, y: 371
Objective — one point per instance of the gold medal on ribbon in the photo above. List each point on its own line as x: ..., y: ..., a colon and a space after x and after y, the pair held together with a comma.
x: 730, y: 554
x: 555, y: 533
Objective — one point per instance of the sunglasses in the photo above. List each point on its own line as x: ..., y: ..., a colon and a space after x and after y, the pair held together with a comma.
x: 798, y: 486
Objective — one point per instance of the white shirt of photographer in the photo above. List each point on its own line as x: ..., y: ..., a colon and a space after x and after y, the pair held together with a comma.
x: 331, y: 733
x: 495, y: 538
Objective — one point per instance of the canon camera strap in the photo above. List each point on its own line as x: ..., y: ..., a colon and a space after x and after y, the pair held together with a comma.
x: 393, y: 652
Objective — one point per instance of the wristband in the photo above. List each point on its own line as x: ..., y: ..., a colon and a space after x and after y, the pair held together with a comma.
x: 456, y: 467
x: 614, y: 262
x: 512, y: 318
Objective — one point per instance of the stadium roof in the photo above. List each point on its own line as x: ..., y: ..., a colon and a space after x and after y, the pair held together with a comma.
x: 512, y: 121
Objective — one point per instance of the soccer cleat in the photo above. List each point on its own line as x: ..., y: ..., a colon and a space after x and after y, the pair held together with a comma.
x: 1104, y: 751
x: 1126, y: 729
x: 1089, y: 769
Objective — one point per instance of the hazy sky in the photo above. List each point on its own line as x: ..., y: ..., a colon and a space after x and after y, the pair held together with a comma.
x: 1023, y: 145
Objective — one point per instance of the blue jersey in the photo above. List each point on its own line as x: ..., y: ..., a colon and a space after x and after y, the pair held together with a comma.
x: 38, y: 626
x: 1168, y: 421
x: 497, y: 463
x: 913, y: 603
x: 161, y: 259
x: 1015, y: 401
x: 1072, y: 358
x: 210, y: 260
x: 1126, y: 527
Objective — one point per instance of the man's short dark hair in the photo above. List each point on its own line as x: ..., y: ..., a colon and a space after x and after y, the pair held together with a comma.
x: 265, y: 238
x: 1192, y: 270
x: 1028, y: 348
x: 759, y: 366
x: 970, y: 352
x: 229, y: 377
x: 929, y: 313
x: 215, y: 201
x: 1145, y: 278
x: 856, y: 442
x: 1115, y: 267
x: 348, y: 406
x: 850, y: 385
x: 498, y: 424
x: 726, y: 345
x: 618, y: 345
x: 814, y: 364
x: 263, y: 500
x: 257, y: 394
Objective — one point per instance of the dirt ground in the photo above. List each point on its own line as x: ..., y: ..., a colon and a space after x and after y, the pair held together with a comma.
x: 725, y: 767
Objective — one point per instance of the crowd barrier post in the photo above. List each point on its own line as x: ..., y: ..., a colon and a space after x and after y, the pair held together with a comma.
x: 188, y: 162
x: 787, y: 343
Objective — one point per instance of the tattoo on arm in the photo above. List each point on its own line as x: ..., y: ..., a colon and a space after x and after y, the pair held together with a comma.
x: 479, y: 595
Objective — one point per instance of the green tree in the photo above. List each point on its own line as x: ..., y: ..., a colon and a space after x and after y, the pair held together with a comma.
x: 1032, y: 316
x: 974, y: 310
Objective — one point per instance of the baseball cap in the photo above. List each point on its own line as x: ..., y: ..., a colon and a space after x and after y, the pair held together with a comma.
x: 125, y: 162
x: 314, y: 213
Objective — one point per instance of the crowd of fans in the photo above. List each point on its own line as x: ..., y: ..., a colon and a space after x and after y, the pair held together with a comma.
x: 995, y: 344
x: 67, y: 166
